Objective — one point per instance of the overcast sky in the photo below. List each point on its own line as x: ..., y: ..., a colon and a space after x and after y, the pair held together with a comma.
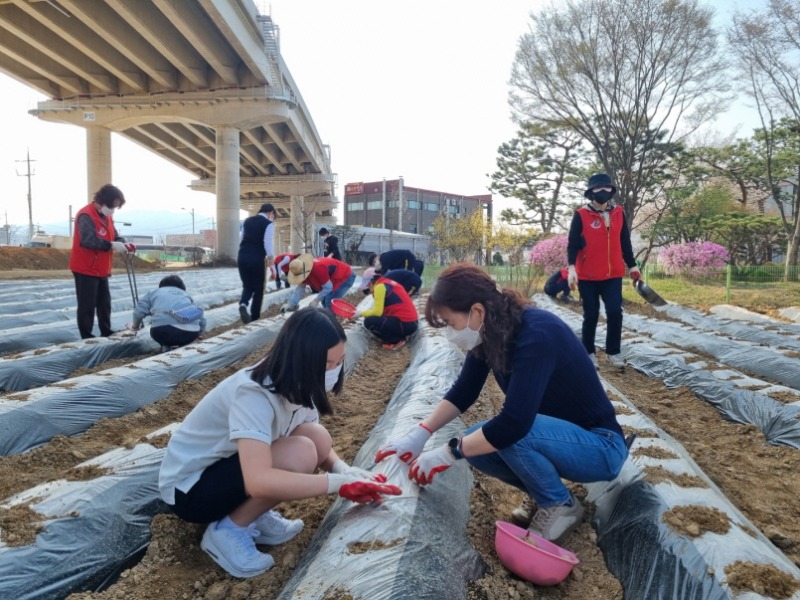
x: 413, y: 88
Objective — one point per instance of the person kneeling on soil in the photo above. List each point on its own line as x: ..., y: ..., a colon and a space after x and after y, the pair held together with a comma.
x: 556, y: 421
x: 255, y: 441
x: 393, y: 317
x: 558, y: 283
x: 176, y: 319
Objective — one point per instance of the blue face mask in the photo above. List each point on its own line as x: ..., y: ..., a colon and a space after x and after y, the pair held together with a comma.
x: 331, y: 377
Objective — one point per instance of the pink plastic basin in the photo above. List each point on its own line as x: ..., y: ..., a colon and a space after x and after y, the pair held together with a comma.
x: 531, y: 557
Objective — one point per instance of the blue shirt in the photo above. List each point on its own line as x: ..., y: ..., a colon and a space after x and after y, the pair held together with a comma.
x: 551, y: 374
x: 160, y: 303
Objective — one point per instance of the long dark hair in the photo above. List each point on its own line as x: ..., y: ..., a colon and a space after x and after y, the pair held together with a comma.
x: 460, y: 286
x: 297, y: 360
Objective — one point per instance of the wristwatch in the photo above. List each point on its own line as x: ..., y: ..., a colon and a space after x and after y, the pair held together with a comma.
x: 455, y: 447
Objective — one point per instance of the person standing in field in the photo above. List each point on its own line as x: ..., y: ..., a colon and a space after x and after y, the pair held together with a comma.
x: 330, y: 245
x: 94, y: 241
x: 255, y: 257
x: 598, y: 251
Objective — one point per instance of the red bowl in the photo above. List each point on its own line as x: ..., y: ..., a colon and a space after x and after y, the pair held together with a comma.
x: 343, y: 308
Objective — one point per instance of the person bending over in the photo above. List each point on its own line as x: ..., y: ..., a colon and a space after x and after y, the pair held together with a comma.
x: 556, y: 421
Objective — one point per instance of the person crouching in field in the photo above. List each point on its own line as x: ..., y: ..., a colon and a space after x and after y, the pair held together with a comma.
x: 393, y: 317
x: 255, y: 441
x: 176, y: 319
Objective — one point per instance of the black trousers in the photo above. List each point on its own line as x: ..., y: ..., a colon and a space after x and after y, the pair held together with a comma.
x: 167, y: 335
x: 389, y: 330
x: 253, y: 273
x: 93, y: 295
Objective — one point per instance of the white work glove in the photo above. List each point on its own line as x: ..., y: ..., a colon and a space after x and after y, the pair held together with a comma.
x: 356, y: 315
x: 343, y: 468
x: 572, y: 278
x: 634, y: 274
x: 408, y: 447
x: 430, y: 463
x: 118, y: 247
x: 288, y: 308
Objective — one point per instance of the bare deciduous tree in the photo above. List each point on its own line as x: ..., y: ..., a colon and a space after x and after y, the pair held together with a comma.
x: 632, y: 77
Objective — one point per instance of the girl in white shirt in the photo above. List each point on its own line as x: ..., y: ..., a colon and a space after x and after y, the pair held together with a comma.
x: 255, y: 440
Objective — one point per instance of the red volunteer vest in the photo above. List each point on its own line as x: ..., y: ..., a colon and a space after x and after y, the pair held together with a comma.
x: 601, y: 257
x: 321, y: 273
x: 398, y: 303
x: 96, y: 263
x: 280, y: 257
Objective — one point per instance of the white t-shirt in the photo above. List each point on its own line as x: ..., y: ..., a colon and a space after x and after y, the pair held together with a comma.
x: 237, y: 408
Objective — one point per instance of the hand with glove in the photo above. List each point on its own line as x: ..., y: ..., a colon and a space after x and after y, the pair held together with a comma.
x: 342, y: 467
x: 430, y: 463
x: 130, y: 247
x: 118, y: 247
x: 572, y: 278
x: 288, y: 308
x: 408, y: 447
x: 356, y: 315
x: 356, y: 488
x: 365, y: 492
x: 634, y: 274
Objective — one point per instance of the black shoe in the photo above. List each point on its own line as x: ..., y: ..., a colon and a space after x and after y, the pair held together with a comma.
x: 245, y: 316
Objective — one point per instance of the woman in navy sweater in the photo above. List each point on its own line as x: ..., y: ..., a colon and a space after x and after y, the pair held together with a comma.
x: 556, y: 421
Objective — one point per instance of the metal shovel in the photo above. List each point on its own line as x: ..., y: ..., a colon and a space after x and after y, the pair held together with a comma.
x: 648, y: 293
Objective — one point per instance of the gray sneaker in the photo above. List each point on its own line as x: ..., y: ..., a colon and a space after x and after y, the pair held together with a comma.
x: 522, y: 515
x: 234, y: 550
x: 273, y: 528
x: 554, y: 522
x: 615, y: 360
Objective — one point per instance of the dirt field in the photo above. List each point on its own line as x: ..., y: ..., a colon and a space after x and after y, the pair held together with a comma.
x: 759, y: 479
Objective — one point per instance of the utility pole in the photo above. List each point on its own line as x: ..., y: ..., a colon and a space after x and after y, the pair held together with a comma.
x: 28, y: 174
x: 194, y: 243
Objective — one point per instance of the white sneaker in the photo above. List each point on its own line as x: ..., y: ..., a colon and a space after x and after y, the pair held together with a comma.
x: 615, y: 360
x: 234, y: 550
x: 593, y: 358
x: 554, y: 522
x: 273, y: 528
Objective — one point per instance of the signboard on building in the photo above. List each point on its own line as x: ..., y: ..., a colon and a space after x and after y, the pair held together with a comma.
x: 354, y: 189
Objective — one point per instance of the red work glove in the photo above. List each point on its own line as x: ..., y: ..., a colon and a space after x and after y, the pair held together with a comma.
x: 365, y: 492
x: 430, y: 463
x: 130, y: 247
x: 408, y: 447
x: 634, y: 274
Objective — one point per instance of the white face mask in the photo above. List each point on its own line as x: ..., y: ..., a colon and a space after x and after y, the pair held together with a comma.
x: 331, y: 377
x: 465, y: 338
x: 107, y: 211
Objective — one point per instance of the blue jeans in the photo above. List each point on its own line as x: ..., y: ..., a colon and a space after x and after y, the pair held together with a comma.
x: 610, y: 290
x: 553, y: 449
x: 342, y: 291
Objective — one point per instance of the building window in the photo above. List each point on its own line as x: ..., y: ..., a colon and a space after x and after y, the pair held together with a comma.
x: 453, y: 210
x: 374, y: 205
x: 355, y: 206
x: 393, y: 203
x: 432, y: 206
x: 413, y: 204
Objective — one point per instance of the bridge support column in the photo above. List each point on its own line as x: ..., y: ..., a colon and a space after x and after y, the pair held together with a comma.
x: 228, y: 197
x: 98, y: 159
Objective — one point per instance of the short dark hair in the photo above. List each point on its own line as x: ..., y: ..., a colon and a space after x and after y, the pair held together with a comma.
x: 371, y: 260
x: 324, y: 231
x: 265, y: 208
x: 108, y: 194
x: 172, y: 281
x: 297, y: 361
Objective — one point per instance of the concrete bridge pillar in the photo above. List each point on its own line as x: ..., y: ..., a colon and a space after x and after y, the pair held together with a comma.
x: 228, y: 202
x: 98, y: 159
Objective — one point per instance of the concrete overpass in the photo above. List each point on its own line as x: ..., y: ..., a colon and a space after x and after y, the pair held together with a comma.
x: 201, y: 83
